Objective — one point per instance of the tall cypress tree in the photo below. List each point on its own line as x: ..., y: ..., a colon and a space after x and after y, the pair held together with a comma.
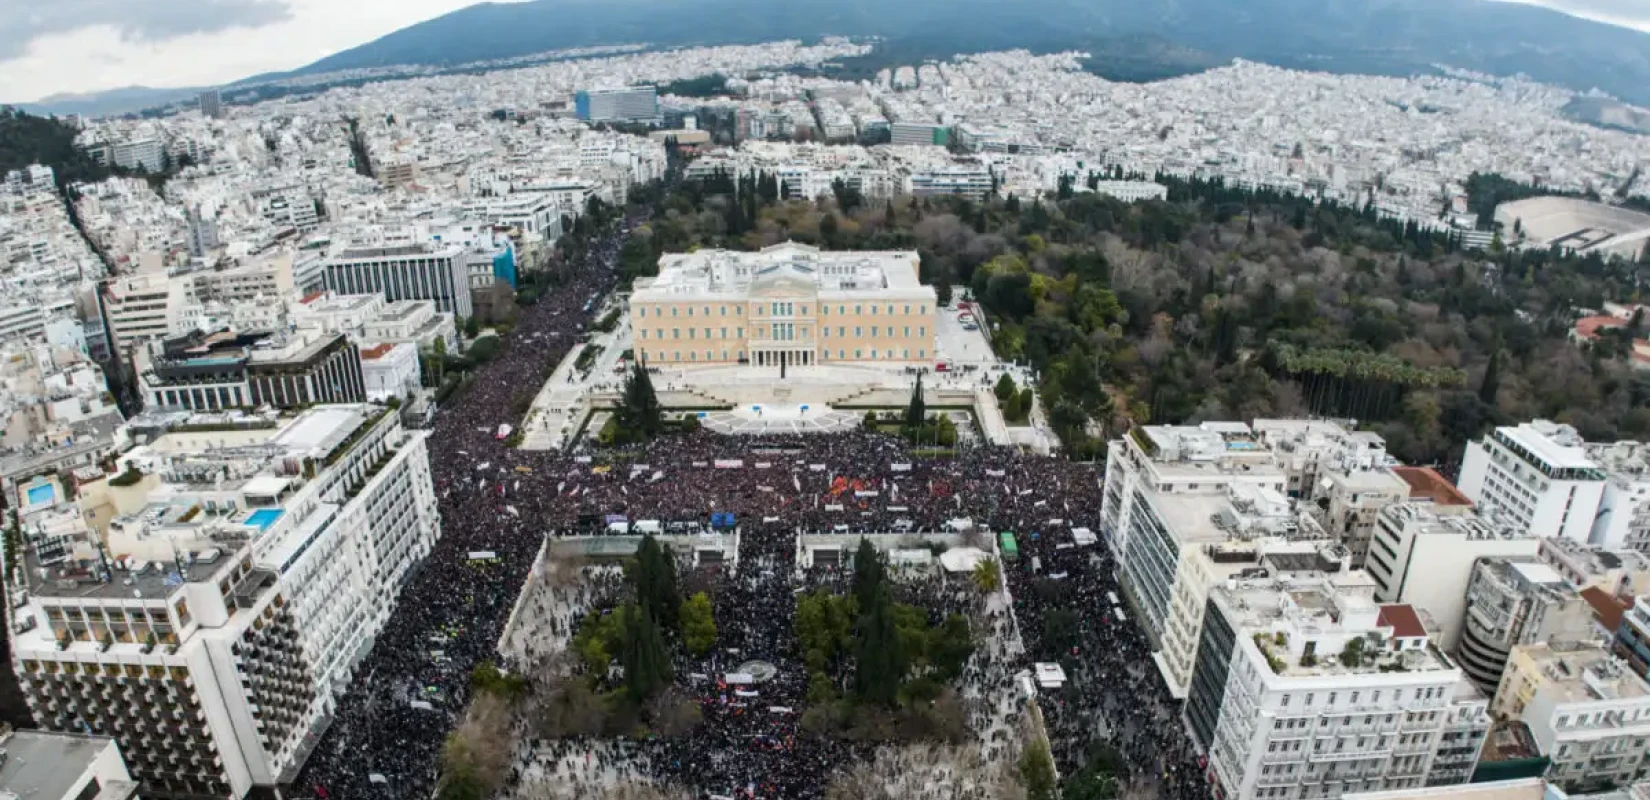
x: 639, y: 414
x: 646, y: 666
x: 917, y: 412
x: 655, y: 582
x: 1492, y: 379
x: 869, y: 573
x: 880, y: 663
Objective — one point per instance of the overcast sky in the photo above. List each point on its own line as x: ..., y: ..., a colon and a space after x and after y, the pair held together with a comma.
x: 52, y: 46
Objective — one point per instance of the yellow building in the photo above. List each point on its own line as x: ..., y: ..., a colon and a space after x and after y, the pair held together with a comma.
x: 789, y: 304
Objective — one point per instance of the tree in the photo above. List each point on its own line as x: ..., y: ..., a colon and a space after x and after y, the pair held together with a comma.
x: 1492, y: 379
x: 1005, y: 388
x: 1037, y: 770
x: 472, y: 326
x: 942, y: 290
x: 869, y: 573
x: 698, y: 624
x: 988, y: 575
x: 917, y: 412
x: 880, y: 661
x: 639, y: 415
x: 646, y: 665
x: 654, y: 578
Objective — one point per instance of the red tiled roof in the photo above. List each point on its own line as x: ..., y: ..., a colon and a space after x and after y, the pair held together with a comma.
x: 312, y: 297
x: 376, y: 351
x: 1608, y: 610
x: 1587, y: 327
x: 1425, y: 482
x: 1403, y: 621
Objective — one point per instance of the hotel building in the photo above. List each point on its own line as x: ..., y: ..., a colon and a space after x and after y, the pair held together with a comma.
x: 241, y: 574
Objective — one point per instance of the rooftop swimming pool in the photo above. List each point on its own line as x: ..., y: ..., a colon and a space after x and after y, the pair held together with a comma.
x: 42, y: 494
x: 264, y: 517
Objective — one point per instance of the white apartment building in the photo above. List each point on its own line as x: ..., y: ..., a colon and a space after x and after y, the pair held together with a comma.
x: 22, y: 322
x: 1132, y: 191
x: 257, y: 564
x: 1307, y: 688
x: 146, y: 307
x: 788, y: 305
x: 132, y: 154
x: 1513, y: 602
x: 1538, y: 472
x: 1624, y: 509
x: 269, y: 280
x: 390, y: 370
x: 1587, y: 711
x: 63, y: 766
x: 371, y: 320
x: 1425, y: 559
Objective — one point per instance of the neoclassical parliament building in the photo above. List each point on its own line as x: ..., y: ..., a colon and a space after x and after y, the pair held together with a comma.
x: 787, y: 305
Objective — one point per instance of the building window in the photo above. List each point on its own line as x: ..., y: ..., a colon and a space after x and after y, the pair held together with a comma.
x: 690, y: 311
x: 675, y: 333
x: 738, y: 333
x: 724, y: 310
x: 907, y: 308
x: 907, y: 333
x: 724, y: 333
x: 673, y: 311
x: 873, y: 331
x: 644, y: 333
x: 858, y: 331
x: 859, y: 309
x: 707, y: 311
x: 857, y: 354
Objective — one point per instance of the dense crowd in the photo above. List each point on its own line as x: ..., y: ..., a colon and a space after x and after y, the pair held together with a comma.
x: 387, y: 732
x: 1114, y: 706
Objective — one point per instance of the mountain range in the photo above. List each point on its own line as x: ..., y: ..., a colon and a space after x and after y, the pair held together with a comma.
x: 1364, y: 36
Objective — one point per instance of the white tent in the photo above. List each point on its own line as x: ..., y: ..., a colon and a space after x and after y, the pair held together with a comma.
x: 962, y: 559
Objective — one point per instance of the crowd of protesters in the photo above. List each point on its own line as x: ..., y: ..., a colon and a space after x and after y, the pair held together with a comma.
x: 387, y: 732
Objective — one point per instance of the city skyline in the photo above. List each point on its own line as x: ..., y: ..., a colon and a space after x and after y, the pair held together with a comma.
x: 91, y: 46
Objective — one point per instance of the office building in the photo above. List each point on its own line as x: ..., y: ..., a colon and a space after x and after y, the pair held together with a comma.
x: 1588, y: 713
x: 1513, y: 602
x: 1540, y: 474
x: 211, y: 102
x: 62, y: 766
x: 1308, y: 688
x: 919, y: 133
x: 437, y: 271
x: 972, y: 182
x: 221, y: 370
x: 1425, y: 559
x: 633, y: 104
x: 243, y: 575
x: 788, y: 305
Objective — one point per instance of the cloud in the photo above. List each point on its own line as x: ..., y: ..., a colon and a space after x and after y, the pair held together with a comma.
x: 1625, y: 13
x: 134, y: 20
